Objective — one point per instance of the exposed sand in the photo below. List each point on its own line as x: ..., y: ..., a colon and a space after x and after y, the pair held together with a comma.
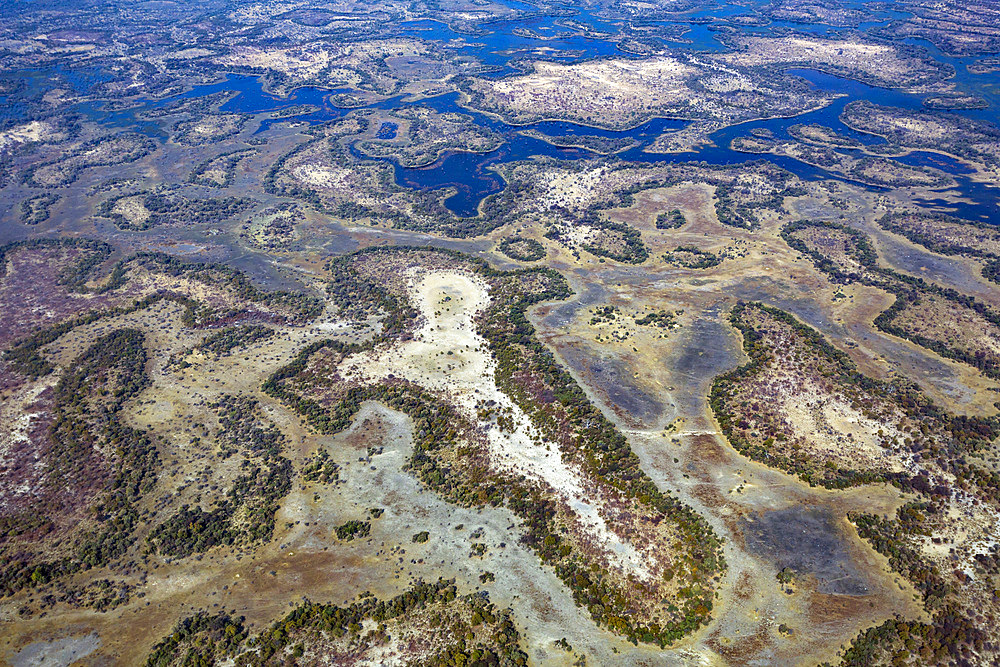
x: 322, y: 176
x: 447, y: 355
x: 132, y: 209
x: 823, y: 419
x: 878, y: 61
x: 36, y: 130
x: 16, y: 424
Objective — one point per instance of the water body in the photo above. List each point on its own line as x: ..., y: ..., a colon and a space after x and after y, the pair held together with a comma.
x: 506, y: 46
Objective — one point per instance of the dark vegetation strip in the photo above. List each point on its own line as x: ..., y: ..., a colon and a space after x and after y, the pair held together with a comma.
x: 205, y: 639
x: 88, y: 403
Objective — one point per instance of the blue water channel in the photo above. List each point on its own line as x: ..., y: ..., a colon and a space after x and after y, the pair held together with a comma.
x: 503, y: 47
